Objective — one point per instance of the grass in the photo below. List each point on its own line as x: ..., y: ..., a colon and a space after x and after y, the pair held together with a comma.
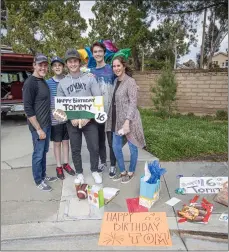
x: 183, y: 137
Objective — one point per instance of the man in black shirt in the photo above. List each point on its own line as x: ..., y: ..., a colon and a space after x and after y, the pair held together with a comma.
x: 36, y: 98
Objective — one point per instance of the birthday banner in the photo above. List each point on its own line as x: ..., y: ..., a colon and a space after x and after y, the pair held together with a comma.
x: 80, y: 108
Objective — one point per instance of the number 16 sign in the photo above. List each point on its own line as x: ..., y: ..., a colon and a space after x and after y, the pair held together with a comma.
x: 79, y: 108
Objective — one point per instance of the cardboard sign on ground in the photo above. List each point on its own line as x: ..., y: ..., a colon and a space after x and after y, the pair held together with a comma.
x: 202, y: 185
x: 135, y: 229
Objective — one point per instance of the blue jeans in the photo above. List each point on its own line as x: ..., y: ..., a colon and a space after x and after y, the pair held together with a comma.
x: 40, y: 149
x: 117, y: 148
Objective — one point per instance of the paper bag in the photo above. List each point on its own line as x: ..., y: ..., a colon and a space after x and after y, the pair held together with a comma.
x: 95, y: 196
x: 222, y: 196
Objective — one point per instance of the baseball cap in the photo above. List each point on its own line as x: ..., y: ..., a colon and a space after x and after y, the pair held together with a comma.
x: 72, y: 53
x: 39, y: 58
x: 57, y: 59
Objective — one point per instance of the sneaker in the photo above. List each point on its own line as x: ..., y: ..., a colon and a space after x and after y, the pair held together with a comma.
x: 44, y: 187
x: 112, y: 172
x: 50, y: 179
x: 97, y: 177
x: 69, y: 170
x: 80, y: 177
x: 119, y: 176
x: 60, y: 173
x: 126, y: 179
x: 102, y: 167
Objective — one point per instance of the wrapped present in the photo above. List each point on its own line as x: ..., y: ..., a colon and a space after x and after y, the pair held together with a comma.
x: 196, y: 212
x: 95, y: 196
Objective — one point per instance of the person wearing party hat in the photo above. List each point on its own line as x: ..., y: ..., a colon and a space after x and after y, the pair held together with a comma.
x: 124, y: 119
x: 105, y: 77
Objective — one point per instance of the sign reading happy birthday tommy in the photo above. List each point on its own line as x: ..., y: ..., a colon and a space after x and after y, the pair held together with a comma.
x: 80, y: 108
x: 203, y: 185
x: 135, y: 229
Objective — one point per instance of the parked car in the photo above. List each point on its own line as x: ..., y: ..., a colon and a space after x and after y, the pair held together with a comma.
x: 15, y: 69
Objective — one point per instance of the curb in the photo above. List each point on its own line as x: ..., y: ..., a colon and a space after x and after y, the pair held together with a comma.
x: 222, y: 236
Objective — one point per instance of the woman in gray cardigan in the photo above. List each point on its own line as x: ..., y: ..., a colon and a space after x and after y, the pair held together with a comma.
x: 124, y: 119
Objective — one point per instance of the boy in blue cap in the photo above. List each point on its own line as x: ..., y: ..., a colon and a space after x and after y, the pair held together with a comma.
x: 59, y: 132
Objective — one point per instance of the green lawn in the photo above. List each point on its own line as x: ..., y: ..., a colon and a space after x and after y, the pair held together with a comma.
x: 185, y: 137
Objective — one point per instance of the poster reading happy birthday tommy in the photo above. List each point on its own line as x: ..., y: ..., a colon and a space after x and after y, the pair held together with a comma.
x: 80, y: 108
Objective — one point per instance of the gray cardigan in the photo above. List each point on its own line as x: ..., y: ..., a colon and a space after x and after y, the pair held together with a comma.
x: 126, y: 108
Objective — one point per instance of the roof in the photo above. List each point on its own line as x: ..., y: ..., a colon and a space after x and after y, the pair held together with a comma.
x: 223, y: 53
x: 16, y: 61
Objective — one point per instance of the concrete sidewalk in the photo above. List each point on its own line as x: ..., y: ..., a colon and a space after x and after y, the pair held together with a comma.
x: 30, y: 213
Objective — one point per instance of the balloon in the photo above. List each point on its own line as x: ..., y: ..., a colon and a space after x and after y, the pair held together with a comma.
x: 83, y: 54
x: 125, y: 53
x: 91, y: 60
x: 110, y: 46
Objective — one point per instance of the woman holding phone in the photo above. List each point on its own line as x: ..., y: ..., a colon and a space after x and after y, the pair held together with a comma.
x: 124, y: 119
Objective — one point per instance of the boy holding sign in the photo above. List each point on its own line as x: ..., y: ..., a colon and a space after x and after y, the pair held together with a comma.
x: 78, y: 84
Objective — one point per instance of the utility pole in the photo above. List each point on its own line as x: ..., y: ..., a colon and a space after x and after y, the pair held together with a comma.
x: 203, y: 39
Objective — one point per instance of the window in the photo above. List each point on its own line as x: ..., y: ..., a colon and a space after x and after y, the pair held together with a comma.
x: 223, y: 64
x: 8, y: 77
x: 226, y: 63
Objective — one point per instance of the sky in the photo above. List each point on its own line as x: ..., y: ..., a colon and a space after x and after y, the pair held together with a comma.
x: 86, y: 13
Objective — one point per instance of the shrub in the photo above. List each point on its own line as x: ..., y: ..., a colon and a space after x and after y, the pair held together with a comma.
x: 165, y: 91
x: 221, y: 115
x: 190, y: 114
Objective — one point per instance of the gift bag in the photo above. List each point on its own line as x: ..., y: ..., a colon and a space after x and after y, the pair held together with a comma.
x: 149, y: 193
x: 95, y: 196
x: 150, y: 184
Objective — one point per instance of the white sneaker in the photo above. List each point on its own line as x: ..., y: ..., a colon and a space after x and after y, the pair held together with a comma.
x: 97, y: 178
x: 80, y: 177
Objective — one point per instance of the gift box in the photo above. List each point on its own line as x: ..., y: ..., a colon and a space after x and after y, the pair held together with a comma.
x: 95, y: 196
x: 149, y: 193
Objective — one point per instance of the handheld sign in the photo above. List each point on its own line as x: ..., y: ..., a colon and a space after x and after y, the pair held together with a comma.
x: 68, y: 108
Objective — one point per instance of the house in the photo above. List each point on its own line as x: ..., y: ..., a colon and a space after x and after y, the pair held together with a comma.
x: 220, y: 59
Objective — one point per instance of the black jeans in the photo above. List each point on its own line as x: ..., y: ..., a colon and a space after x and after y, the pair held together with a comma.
x: 110, y: 141
x: 102, y: 145
x: 90, y: 132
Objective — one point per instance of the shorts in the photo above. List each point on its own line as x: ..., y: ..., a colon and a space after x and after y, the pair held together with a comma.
x: 59, y: 132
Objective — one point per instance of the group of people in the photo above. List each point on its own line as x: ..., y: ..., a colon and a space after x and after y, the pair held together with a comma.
x: 115, y: 83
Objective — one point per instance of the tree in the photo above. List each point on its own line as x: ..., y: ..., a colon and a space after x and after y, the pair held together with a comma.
x: 124, y: 22
x: 165, y: 91
x: 190, y: 64
x: 214, y: 37
x: 198, y: 60
x: 189, y: 11
x: 44, y: 26
x: 186, y: 8
x: 170, y: 41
